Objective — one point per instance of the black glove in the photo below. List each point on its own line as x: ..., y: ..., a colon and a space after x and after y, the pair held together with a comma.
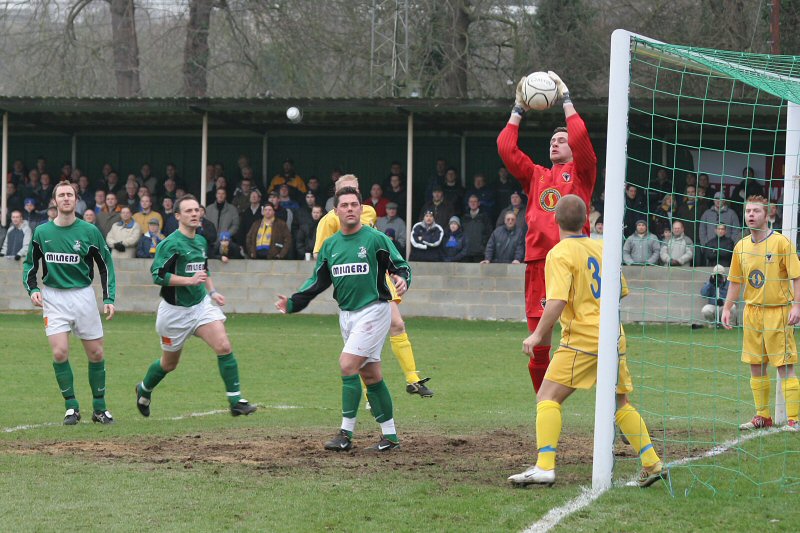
x: 712, y: 279
x: 119, y: 246
x: 17, y: 257
x: 2, y: 255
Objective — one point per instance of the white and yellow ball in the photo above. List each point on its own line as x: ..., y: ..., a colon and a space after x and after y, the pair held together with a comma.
x: 539, y: 91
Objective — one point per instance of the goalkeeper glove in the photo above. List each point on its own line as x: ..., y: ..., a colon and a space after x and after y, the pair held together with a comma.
x: 561, y: 87
x: 519, y: 102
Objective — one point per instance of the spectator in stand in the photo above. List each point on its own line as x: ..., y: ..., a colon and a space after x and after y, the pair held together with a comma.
x: 15, y: 199
x: 147, y: 178
x: 677, y: 249
x: 307, y: 232
x: 302, y: 215
x: 90, y: 216
x: 635, y: 209
x: 170, y: 172
x: 288, y: 176
x: 715, y: 291
x: 426, y: 239
x: 641, y: 248
x: 396, y: 192
x: 688, y: 214
x: 41, y: 164
x: 437, y: 178
x: 130, y: 197
x: 80, y: 205
x: 660, y: 185
x: 376, y: 200
x: 31, y: 215
x: 32, y: 185
x: 227, y: 249
x: 774, y: 218
x: 441, y: 208
x: 269, y: 238
x: 453, y: 191
x: 17, y: 173
x: 18, y: 238
x: 220, y: 183
x: 477, y: 229
x: 150, y: 239
x: 168, y: 210
x: 104, y: 172
x: 52, y: 212
x: 518, y: 208
x: 45, y: 191
x: 287, y: 215
x: 454, y: 248
x: 597, y: 230
x: 99, y: 201
x: 85, y: 192
x: 506, y: 244
x: 315, y: 187
x: 704, y: 181
x: 506, y: 186
x: 243, y: 161
x: 123, y: 237
x: 223, y: 214
x: 393, y: 221
x: 749, y: 186
x: 700, y: 199
x: 248, y: 216
x: 146, y: 213
x: 286, y: 199
x: 170, y: 190
x: 241, y: 196
x: 661, y: 218
x: 719, y: 213
x: 395, y: 169
x: 336, y: 173
x: 208, y: 230
x: 485, y: 194
x: 719, y: 248
x: 112, y: 183
x: 594, y: 213
x: 109, y: 215
x: 66, y: 171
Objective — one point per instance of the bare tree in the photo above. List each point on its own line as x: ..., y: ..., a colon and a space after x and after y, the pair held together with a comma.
x: 196, y: 52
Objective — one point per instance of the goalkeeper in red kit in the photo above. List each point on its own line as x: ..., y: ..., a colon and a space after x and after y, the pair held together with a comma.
x: 574, y: 171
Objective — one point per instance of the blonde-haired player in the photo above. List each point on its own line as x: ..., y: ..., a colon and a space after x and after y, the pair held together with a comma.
x: 328, y: 225
x: 766, y: 263
x: 572, y: 277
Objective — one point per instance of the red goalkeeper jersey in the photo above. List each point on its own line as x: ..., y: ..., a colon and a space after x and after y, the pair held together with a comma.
x: 545, y: 186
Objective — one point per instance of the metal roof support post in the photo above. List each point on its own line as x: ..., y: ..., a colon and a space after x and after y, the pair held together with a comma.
x: 204, y: 163
x: 74, y: 154
x: 4, y: 192
x: 463, y: 161
x: 264, y: 146
x: 409, y: 180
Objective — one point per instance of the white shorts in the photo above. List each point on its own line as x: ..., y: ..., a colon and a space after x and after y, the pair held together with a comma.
x: 73, y: 310
x: 175, y: 324
x: 364, y: 331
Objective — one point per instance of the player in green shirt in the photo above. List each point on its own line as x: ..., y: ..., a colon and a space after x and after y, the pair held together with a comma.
x: 68, y: 248
x: 355, y: 260
x: 180, y: 266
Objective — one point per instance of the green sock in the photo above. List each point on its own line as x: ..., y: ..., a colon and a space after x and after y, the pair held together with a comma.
x: 229, y: 371
x: 153, y: 377
x: 65, y: 382
x: 381, y: 401
x: 351, y: 395
x: 97, y: 382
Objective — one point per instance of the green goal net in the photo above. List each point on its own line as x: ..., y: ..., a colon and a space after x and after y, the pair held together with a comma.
x: 692, y: 133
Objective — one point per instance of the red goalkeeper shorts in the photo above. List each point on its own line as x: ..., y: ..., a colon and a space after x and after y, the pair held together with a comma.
x: 535, y: 291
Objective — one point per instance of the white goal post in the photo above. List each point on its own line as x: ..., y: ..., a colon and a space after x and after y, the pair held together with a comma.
x: 616, y: 165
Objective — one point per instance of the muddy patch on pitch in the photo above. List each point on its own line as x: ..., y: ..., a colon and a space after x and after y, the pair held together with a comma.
x: 485, y: 457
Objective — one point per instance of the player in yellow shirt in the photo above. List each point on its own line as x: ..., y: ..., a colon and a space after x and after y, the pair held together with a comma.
x: 766, y: 264
x: 572, y: 278
x: 398, y: 338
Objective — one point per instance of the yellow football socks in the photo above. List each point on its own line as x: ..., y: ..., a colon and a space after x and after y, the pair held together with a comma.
x: 761, y: 388
x: 401, y: 347
x: 791, y: 393
x: 634, y: 428
x: 548, y: 431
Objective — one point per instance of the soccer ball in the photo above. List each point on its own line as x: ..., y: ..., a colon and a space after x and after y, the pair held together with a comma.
x: 294, y: 114
x: 539, y: 91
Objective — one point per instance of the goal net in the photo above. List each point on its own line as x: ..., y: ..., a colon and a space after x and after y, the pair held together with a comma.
x: 692, y: 132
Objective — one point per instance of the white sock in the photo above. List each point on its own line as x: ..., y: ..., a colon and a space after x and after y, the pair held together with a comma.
x: 349, y: 424
x: 387, y: 428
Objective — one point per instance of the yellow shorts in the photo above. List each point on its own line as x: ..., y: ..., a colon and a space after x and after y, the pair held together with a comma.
x: 396, y: 298
x: 767, y: 336
x: 578, y: 370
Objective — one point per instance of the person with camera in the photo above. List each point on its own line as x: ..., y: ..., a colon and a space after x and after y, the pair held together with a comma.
x: 715, y: 291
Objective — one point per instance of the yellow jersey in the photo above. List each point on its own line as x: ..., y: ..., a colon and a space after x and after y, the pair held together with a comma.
x: 330, y: 224
x: 572, y: 274
x: 766, y: 269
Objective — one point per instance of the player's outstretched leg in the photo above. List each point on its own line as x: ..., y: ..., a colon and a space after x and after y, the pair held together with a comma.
x: 155, y: 373
x: 351, y: 396
x: 401, y: 347
x: 383, y: 411
x: 632, y: 425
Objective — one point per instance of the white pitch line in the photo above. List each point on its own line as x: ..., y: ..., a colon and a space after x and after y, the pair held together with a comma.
x: 587, y: 496
x: 27, y: 427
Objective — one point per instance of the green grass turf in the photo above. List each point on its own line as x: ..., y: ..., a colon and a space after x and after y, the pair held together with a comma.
x: 268, y: 472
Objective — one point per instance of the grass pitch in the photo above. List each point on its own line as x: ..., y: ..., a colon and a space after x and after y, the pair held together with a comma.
x: 192, y: 467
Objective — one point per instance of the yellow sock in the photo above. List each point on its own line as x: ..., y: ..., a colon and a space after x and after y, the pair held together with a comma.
x: 761, y: 389
x: 548, y: 431
x: 791, y: 393
x: 364, y: 391
x: 633, y: 426
x: 401, y: 347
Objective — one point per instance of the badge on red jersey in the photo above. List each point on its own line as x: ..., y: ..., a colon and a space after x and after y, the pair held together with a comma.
x: 567, y: 177
x: 549, y: 199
